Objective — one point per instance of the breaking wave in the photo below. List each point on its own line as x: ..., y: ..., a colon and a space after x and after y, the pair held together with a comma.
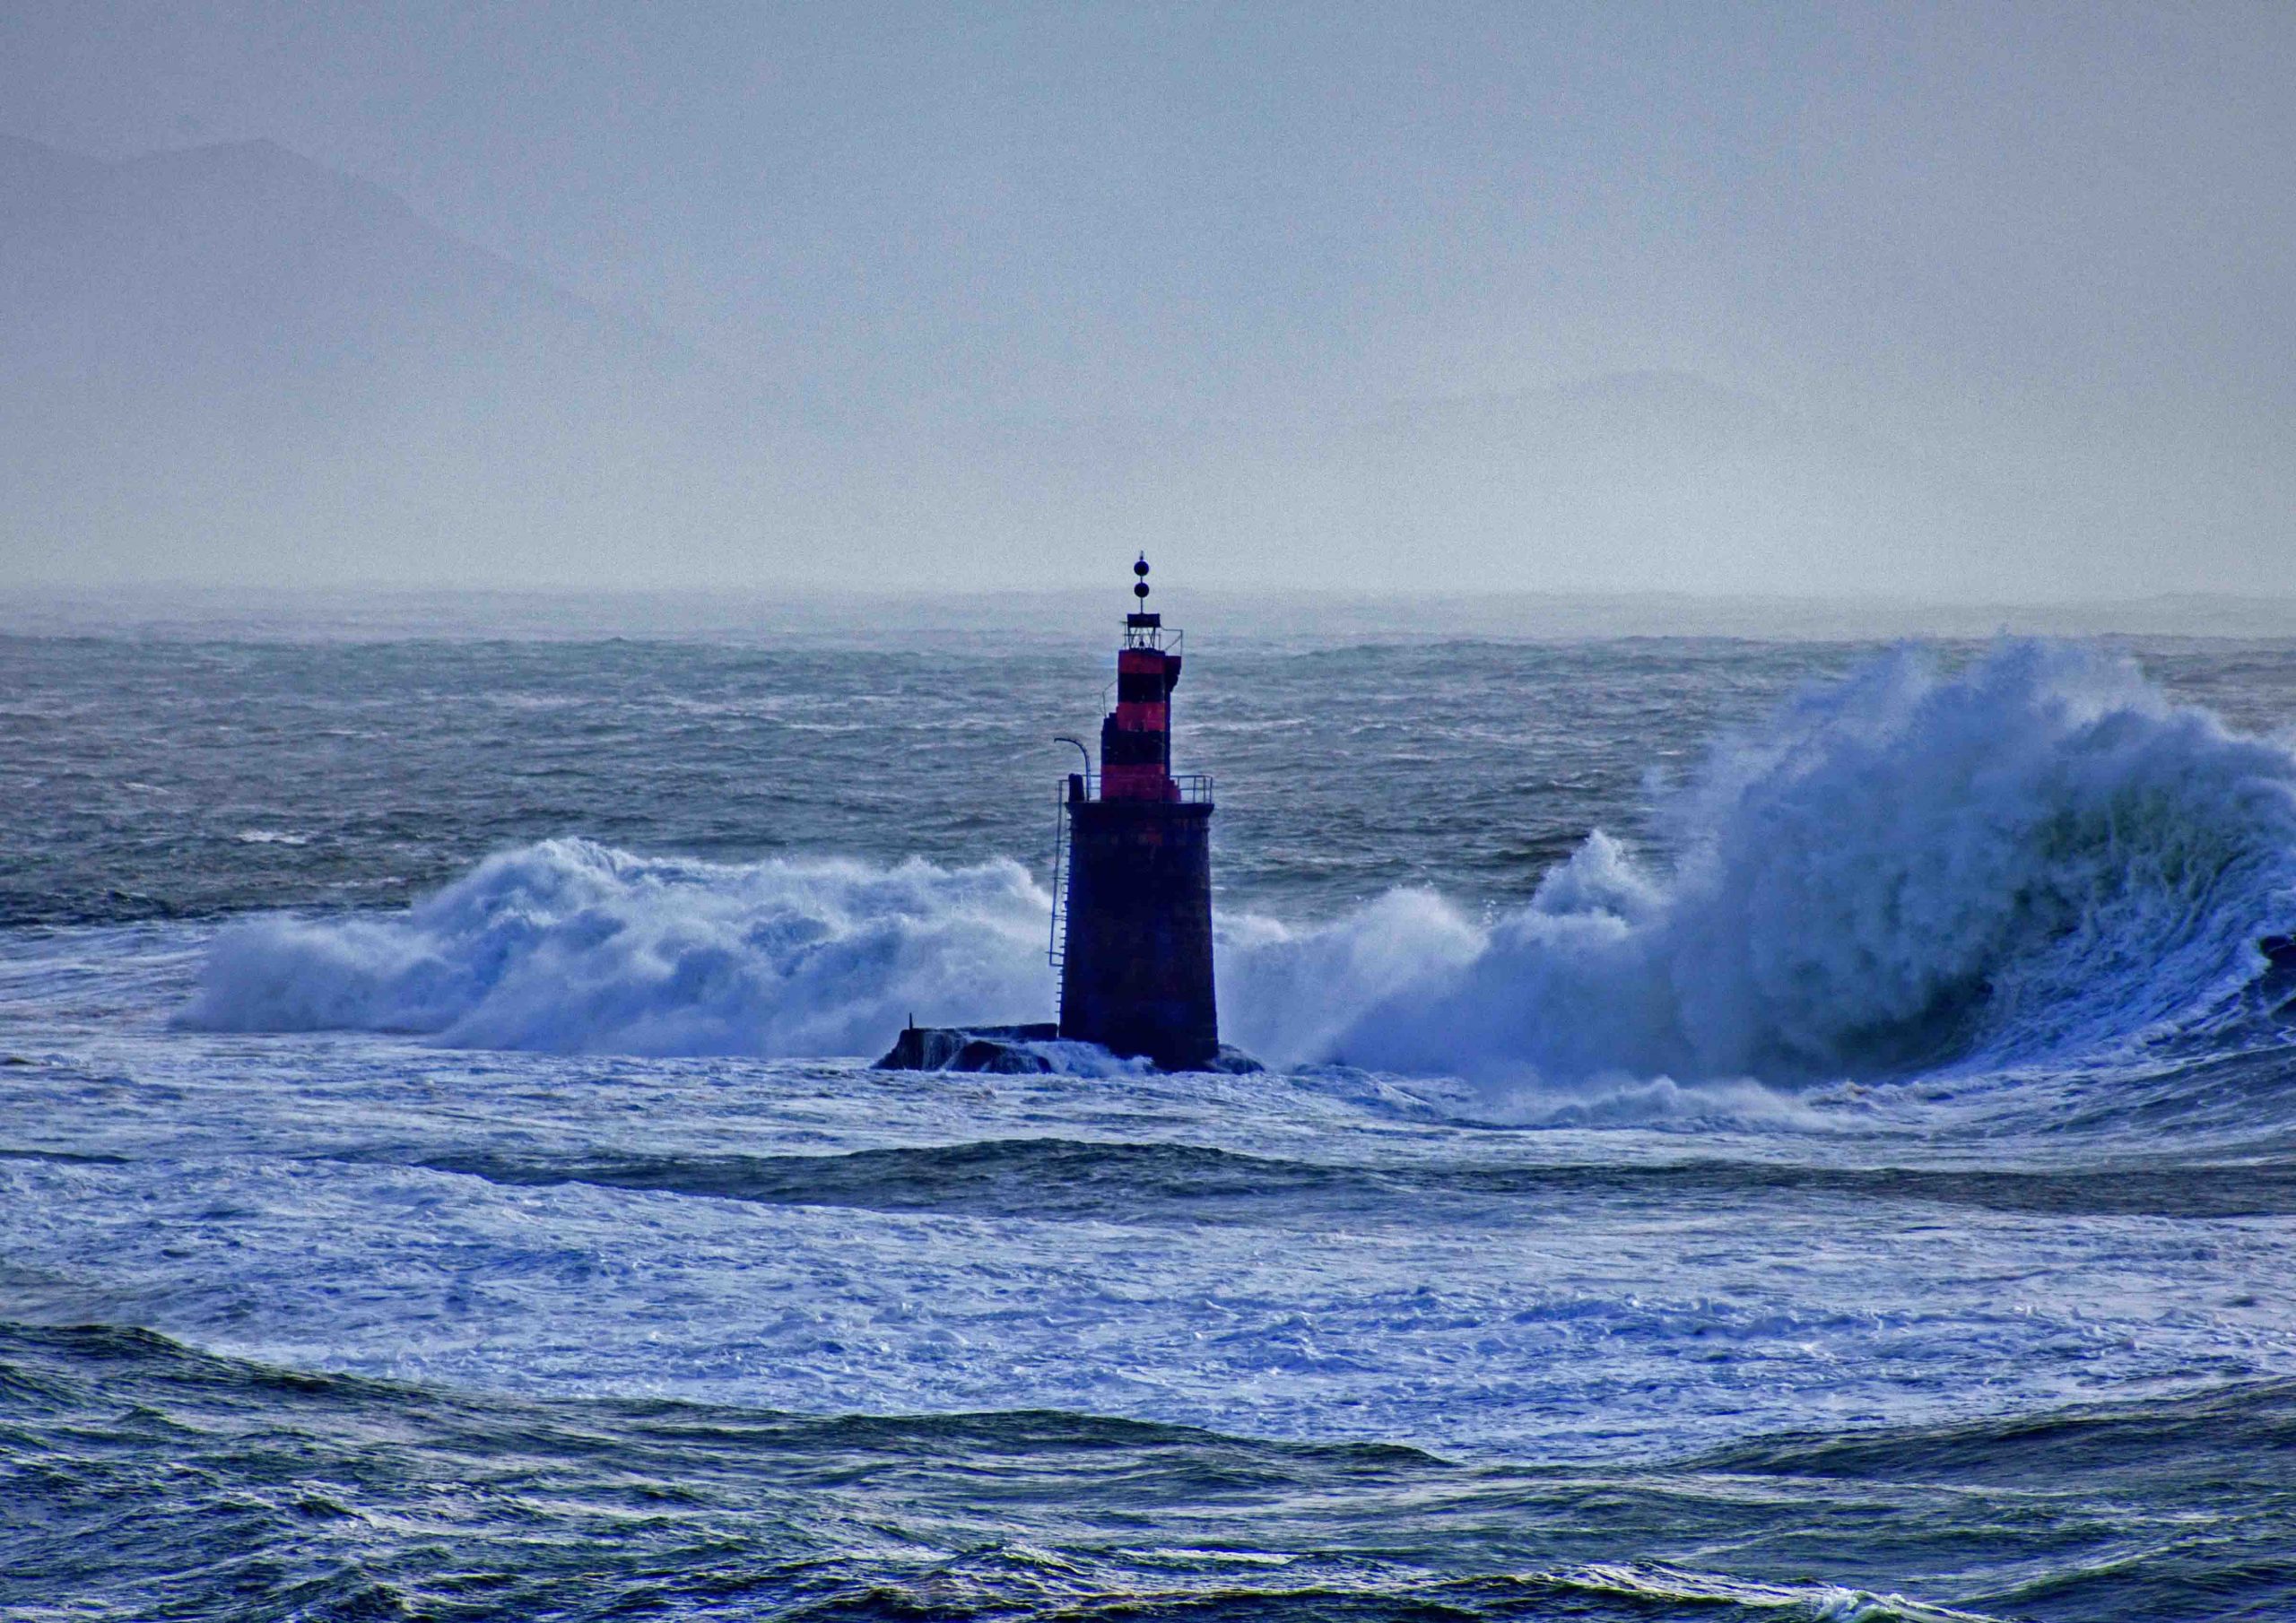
x: 569, y: 947
x: 2033, y: 854
x: 2036, y: 854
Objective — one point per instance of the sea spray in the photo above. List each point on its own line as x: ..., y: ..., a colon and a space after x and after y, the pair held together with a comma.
x: 1912, y: 867
x: 1908, y: 867
x: 567, y: 946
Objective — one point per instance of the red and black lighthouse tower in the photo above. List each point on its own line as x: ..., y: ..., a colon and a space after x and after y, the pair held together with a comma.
x: 1135, y: 946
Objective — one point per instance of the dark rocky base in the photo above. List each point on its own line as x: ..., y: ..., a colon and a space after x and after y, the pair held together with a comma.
x: 1004, y: 1050
x: 1232, y: 1060
x: 996, y: 1048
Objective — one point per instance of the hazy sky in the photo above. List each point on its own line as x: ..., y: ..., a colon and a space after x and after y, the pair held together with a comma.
x: 2055, y: 246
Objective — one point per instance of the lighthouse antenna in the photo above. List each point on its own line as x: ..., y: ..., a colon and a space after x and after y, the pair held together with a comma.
x: 1142, y: 628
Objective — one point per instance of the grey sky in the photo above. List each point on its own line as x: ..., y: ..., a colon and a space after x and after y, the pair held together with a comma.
x: 2045, y: 251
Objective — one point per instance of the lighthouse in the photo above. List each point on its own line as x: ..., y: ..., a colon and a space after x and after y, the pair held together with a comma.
x: 1132, y: 933
x: 1132, y: 895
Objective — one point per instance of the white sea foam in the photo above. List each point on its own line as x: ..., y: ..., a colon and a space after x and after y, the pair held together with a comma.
x: 2036, y: 854
x: 1908, y: 867
x: 567, y: 946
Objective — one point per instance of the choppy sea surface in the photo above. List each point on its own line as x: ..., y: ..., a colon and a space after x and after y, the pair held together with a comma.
x: 1796, y: 1129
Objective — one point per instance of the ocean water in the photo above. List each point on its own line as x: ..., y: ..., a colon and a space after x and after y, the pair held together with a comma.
x: 1779, y: 1129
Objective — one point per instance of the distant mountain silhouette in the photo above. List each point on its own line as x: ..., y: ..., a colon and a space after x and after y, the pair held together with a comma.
x: 1676, y: 482
x: 230, y: 361
x: 230, y: 348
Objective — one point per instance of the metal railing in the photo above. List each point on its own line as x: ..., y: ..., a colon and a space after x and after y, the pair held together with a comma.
x: 1171, y: 640
x: 1194, y: 787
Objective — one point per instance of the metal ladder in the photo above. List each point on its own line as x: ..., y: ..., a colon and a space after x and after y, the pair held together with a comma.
x: 1056, y: 950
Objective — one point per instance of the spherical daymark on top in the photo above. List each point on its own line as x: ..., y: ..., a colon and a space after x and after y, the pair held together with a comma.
x: 1140, y: 569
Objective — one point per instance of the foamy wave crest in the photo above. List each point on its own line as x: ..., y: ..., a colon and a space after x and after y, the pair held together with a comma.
x: 2037, y: 853
x: 1910, y: 867
x: 568, y: 946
